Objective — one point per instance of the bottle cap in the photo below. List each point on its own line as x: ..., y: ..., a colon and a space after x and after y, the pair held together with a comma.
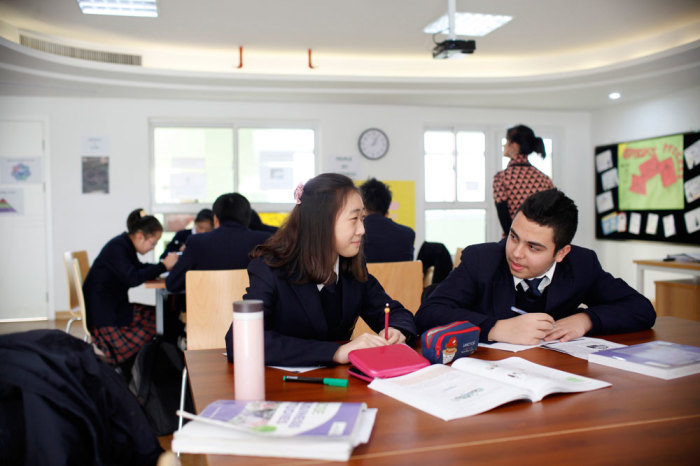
x: 248, y: 305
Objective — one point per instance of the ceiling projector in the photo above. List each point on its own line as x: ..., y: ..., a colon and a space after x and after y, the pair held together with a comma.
x: 452, y: 48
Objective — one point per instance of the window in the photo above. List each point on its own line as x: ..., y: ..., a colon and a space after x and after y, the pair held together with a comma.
x: 459, y: 168
x: 455, y: 187
x: 193, y: 165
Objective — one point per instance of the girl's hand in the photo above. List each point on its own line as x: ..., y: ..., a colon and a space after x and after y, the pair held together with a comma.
x: 366, y: 340
x: 395, y: 336
x: 170, y: 260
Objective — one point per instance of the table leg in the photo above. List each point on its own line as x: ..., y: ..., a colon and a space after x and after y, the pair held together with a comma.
x: 640, y: 279
x: 160, y: 305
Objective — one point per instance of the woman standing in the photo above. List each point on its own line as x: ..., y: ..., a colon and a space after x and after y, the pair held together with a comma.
x: 520, y: 179
x: 314, y: 283
x: 120, y: 328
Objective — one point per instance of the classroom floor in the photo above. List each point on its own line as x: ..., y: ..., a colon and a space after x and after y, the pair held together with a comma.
x: 77, y: 331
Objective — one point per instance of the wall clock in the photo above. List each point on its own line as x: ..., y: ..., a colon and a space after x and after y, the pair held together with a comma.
x: 373, y: 143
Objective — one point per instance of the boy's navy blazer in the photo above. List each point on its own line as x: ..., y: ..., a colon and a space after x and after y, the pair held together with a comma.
x: 386, y: 240
x: 296, y: 332
x: 226, y: 247
x: 481, y: 290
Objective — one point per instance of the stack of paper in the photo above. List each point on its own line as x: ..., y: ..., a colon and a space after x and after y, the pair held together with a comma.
x: 326, y: 431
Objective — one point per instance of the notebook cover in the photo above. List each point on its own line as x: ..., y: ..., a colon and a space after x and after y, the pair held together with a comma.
x: 387, y: 361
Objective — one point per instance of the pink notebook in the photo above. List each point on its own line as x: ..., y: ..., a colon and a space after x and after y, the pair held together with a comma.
x: 387, y: 361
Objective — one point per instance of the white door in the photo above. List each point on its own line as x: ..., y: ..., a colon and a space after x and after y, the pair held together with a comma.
x: 23, y: 245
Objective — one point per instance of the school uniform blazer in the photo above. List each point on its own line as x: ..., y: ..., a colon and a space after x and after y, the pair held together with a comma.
x: 225, y: 247
x: 296, y: 332
x: 116, y: 269
x: 481, y: 291
x: 176, y: 243
x: 386, y: 240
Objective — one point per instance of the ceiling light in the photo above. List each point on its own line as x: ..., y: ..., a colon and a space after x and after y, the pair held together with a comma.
x: 468, y: 24
x: 143, y: 8
x: 614, y: 95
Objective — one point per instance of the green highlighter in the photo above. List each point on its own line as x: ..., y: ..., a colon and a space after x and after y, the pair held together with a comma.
x: 321, y: 380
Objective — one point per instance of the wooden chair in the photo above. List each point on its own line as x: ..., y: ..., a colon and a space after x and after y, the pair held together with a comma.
x: 84, y: 265
x: 209, y: 296
x: 76, y: 285
x: 402, y: 281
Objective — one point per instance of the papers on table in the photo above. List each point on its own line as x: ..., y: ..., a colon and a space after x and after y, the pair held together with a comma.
x: 580, y: 347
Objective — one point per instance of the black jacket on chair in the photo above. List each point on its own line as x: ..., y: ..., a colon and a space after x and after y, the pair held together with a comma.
x: 60, y: 404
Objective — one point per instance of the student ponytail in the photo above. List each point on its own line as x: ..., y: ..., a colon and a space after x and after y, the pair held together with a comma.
x: 146, y: 224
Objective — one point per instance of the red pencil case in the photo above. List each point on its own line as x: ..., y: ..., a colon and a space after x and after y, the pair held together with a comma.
x: 444, y: 344
x: 386, y: 361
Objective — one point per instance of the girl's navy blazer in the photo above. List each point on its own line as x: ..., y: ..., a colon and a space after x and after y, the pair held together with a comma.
x: 296, y: 332
x: 116, y: 269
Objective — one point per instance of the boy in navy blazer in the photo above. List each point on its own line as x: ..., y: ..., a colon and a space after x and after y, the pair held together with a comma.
x: 225, y: 247
x: 570, y: 296
x: 385, y: 240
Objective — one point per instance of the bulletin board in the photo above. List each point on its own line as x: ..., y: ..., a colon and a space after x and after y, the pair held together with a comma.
x: 649, y: 189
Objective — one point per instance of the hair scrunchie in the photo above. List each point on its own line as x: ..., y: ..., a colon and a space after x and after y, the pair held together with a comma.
x: 298, y: 192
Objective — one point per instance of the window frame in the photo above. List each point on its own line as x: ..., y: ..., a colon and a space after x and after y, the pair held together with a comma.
x: 234, y: 125
x: 492, y: 164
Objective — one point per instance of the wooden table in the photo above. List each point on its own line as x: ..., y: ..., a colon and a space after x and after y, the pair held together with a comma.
x: 687, y: 268
x: 639, y: 420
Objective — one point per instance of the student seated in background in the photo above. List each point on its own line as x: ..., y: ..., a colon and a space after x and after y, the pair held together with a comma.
x: 225, y: 247
x: 314, y: 283
x: 203, y: 222
x: 385, y: 240
x: 537, y: 270
x: 120, y: 328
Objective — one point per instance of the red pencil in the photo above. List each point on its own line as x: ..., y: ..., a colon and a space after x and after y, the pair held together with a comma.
x: 386, y: 321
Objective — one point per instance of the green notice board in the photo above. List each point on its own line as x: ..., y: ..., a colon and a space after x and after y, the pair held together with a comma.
x: 649, y: 189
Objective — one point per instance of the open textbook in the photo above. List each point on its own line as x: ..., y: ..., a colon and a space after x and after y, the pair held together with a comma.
x: 472, y: 386
x: 327, y: 431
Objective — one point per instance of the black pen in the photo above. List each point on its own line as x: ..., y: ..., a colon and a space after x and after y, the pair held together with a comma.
x: 321, y: 380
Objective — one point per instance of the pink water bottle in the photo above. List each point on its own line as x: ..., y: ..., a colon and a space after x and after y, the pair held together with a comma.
x: 248, y: 350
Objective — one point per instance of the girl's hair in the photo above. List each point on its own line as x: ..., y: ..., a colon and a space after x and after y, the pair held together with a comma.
x: 146, y: 224
x: 526, y: 139
x: 305, y: 243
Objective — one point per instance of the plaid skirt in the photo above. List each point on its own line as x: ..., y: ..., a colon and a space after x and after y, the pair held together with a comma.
x: 121, y: 343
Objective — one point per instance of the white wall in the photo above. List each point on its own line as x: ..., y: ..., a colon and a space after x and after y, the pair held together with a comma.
x: 87, y: 221
x: 673, y: 114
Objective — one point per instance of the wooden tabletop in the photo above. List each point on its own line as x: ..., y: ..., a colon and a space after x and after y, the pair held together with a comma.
x: 669, y: 264
x: 639, y: 420
x: 157, y: 283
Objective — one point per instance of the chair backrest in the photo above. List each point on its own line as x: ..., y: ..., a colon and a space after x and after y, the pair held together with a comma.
x: 82, y: 259
x: 210, y: 295
x: 78, y: 290
x: 402, y: 281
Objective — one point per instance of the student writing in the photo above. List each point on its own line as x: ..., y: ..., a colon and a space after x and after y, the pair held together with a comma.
x: 538, y: 270
x: 120, y: 328
x: 314, y: 284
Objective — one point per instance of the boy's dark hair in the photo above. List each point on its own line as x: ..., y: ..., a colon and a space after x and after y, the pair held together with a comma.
x: 376, y: 196
x: 551, y: 208
x: 146, y: 224
x: 205, y: 215
x: 232, y: 206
